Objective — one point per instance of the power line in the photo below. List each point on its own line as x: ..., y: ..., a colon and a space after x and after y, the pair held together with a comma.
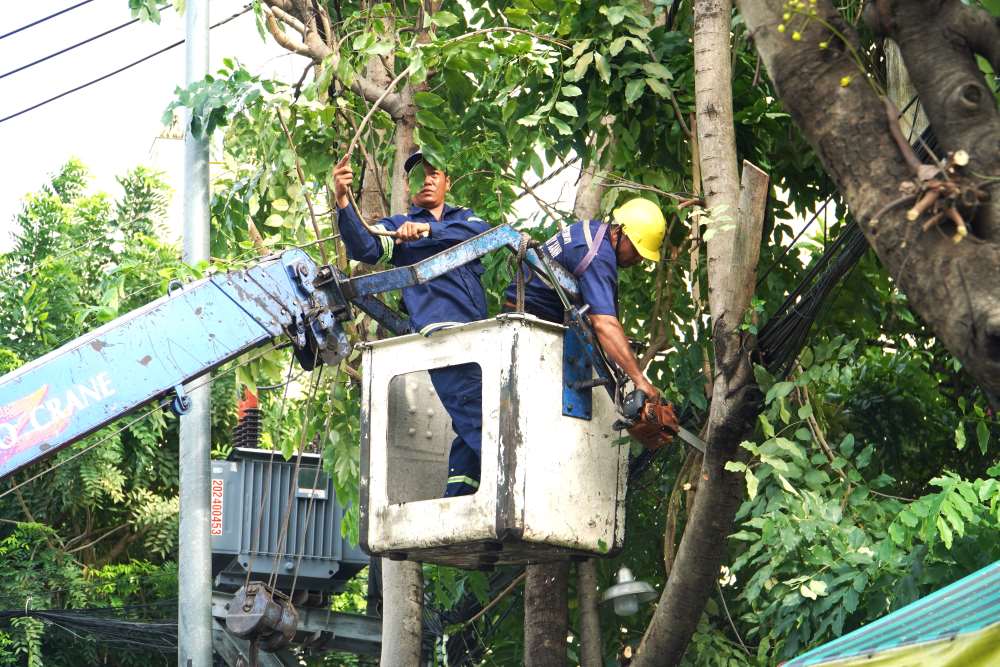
x: 44, y: 19
x: 119, y: 70
x: 70, y: 48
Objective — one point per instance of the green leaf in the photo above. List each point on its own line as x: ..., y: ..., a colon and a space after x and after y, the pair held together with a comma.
x: 616, y: 46
x: 615, y: 13
x: 735, y: 466
x: 530, y: 120
x: 864, y: 457
x: 431, y: 120
x: 751, y: 484
x: 603, y: 69
x: 633, y: 90
x: 581, y: 46
x: 897, y: 534
x: 983, y: 435
x: 658, y: 71
x: 571, y: 91
x: 274, y: 220
x: 847, y: 445
x: 279, y: 205
x: 944, y: 531
x: 382, y: 48
x: 960, y: 437
x: 779, y: 390
x: 850, y: 600
x: 766, y: 426
x: 561, y: 125
x: 566, y: 109
x: 805, y: 411
x: 444, y: 19
x: 582, y: 64
x: 658, y: 87
x: 428, y: 100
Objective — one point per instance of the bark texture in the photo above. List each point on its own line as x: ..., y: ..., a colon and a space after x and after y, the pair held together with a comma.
x: 546, y: 622
x: 732, y: 260
x: 951, y: 285
x: 313, y: 37
x: 402, y: 618
x: 590, y: 620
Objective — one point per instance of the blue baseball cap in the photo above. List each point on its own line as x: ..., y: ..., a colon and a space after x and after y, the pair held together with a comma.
x: 415, y: 158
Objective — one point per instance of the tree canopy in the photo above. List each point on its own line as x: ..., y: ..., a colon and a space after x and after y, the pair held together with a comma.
x: 870, y: 476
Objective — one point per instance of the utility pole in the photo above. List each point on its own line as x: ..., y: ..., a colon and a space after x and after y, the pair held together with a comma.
x: 194, y: 609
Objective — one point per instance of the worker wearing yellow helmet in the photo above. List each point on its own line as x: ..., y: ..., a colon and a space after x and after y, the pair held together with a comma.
x: 593, y: 251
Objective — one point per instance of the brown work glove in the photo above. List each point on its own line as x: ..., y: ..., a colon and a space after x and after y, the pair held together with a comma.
x: 657, y: 425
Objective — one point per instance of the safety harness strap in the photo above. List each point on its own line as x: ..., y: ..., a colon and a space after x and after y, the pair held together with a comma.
x: 592, y: 251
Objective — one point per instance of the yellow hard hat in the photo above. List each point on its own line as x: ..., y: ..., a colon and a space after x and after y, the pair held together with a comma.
x: 643, y: 224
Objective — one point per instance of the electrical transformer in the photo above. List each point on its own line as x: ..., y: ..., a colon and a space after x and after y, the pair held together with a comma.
x: 250, y: 494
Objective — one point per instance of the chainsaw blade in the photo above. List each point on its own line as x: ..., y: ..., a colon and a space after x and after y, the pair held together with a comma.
x: 691, y: 439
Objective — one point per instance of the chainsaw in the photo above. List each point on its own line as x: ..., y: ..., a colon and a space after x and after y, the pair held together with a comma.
x: 652, y: 422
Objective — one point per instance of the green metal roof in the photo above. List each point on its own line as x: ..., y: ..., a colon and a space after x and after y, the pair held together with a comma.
x: 966, y: 606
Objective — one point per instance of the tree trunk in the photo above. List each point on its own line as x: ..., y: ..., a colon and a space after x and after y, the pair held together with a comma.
x: 402, y: 581
x: 546, y: 622
x: 402, y: 613
x: 949, y: 282
x: 733, y: 251
x: 590, y: 620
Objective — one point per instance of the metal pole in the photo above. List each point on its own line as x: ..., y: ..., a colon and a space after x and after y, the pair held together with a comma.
x: 194, y: 613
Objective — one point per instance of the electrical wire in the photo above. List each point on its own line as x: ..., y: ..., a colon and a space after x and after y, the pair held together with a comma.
x: 119, y: 70
x: 44, y: 19
x: 73, y: 46
x: 140, y: 626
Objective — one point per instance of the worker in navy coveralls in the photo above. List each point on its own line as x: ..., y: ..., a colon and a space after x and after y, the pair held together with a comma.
x: 456, y: 297
x: 593, y: 251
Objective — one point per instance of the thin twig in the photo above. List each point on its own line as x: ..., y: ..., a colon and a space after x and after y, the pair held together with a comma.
x: 499, y: 597
x: 725, y: 607
x: 305, y: 188
x: 375, y: 105
x: 549, y: 176
x: 541, y: 38
x: 549, y: 210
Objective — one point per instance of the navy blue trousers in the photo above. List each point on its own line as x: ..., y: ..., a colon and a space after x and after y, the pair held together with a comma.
x: 460, y: 389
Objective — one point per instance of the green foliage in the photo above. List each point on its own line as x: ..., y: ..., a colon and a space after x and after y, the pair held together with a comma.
x: 101, y: 527
x: 825, y: 542
x: 873, y: 416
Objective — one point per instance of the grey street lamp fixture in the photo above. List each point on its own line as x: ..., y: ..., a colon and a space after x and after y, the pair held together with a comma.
x: 628, y: 593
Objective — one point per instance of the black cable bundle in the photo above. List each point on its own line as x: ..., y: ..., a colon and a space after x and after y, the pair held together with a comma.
x: 146, y: 627
x: 781, y: 339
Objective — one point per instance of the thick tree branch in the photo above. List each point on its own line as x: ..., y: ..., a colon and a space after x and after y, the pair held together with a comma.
x: 316, y: 44
x: 952, y: 286
x: 732, y: 262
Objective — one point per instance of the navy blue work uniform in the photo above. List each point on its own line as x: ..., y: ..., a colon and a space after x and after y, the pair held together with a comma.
x: 455, y: 297
x: 598, y: 280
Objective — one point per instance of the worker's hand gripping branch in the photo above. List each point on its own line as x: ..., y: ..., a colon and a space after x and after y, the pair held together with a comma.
x: 343, y: 179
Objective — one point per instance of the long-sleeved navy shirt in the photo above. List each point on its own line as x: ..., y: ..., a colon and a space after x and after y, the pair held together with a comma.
x: 598, y: 282
x: 455, y: 297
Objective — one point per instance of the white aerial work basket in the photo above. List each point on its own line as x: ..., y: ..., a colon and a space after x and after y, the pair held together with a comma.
x: 552, y: 484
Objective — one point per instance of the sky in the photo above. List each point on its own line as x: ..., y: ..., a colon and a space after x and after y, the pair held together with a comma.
x: 113, y: 125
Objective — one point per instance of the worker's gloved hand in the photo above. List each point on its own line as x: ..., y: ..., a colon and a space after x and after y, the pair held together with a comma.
x: 657, y: 424
x: 411, y: 231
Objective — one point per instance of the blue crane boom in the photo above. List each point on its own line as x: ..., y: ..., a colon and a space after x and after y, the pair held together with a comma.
x: 150, y: 353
